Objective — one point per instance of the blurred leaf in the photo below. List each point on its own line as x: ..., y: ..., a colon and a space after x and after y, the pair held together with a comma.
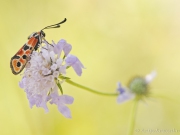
x: 59, y: 85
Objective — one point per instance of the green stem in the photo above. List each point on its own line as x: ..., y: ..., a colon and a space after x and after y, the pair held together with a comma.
x: 133, y: 116
x: 89, y: 89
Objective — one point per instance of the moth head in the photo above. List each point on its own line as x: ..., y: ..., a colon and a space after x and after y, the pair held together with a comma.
x: 42, y: 33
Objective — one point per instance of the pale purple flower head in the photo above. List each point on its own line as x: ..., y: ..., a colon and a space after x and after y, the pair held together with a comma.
x: 42, y: 76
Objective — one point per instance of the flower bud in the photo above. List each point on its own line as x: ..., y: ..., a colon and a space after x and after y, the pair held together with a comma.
x: 139, y: 86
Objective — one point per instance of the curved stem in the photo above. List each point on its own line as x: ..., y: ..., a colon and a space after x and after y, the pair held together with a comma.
x: 89, y: 89
x: 133, y: 116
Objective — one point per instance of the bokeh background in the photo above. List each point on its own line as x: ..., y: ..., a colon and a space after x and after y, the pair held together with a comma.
x: 115, y: 40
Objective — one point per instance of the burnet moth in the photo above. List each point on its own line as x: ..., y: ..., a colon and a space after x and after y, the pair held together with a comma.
x: 19, y: 60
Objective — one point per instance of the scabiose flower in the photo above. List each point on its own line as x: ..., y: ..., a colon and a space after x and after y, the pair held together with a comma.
x: 138, y: 86
x: 44, y: 74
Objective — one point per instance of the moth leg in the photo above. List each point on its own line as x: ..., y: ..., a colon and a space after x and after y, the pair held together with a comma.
x: 47, y: 42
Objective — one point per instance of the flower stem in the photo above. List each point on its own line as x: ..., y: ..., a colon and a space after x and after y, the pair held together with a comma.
x: 133, y: 116
x: 89, y: 89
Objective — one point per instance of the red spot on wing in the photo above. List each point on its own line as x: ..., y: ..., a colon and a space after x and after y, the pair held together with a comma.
x: 20, y: 52
x: 28, y: 52
x: 32, y: 42
x: 23, y: 61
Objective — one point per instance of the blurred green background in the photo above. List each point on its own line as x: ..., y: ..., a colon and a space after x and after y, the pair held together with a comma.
x: 115, y: 40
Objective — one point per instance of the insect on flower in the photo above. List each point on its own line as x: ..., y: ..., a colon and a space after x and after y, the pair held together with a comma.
x: 19, y: 60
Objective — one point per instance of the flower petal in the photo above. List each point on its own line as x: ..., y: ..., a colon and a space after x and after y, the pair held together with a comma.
x: 52, y: 55
x: 54, y: 67
x: 150, y: 77
x: 62, y: 69
x: 73, y: 61
x: 64, y: 110
x: 59, y: 46
x: 77, y: 69
x: 120, y: 89
x: 46, y: 71
x: 55, y: 74
x: 39, y: 101
x: 66, y: 99
x: 59, y: 62
x: 22, y: 82
x: 46, y: 55
x: 125, y: 97
x: 67, y: 48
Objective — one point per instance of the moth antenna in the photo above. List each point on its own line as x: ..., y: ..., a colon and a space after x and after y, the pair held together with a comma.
x: 55, y: 25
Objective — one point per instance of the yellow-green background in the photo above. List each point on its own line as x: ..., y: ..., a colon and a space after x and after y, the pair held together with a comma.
x: 115, y: 40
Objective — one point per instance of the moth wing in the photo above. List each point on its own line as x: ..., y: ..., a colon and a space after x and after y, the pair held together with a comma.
x: 19, y: 60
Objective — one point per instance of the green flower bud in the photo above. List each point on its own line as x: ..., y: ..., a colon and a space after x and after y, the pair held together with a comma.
x: 139, y: 86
